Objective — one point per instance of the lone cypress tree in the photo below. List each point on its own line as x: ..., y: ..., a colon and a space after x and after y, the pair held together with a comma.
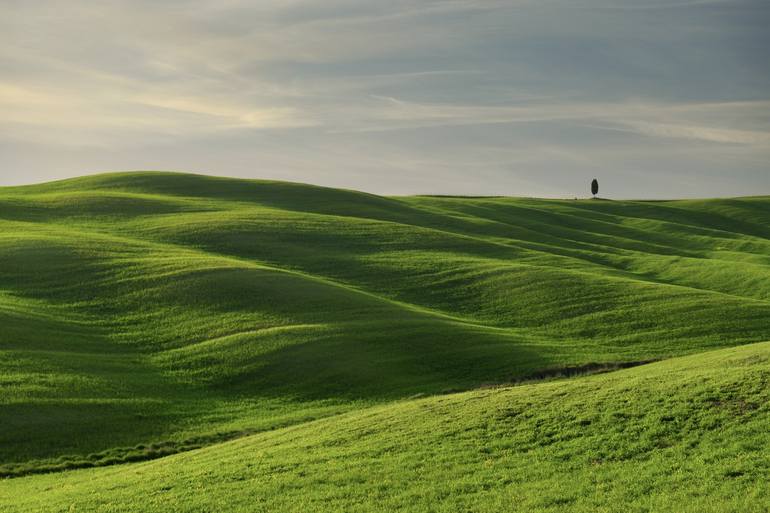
x: 595, y: 187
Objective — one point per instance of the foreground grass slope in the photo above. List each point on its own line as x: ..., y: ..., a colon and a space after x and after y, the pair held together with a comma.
x: 688, y: 435
x: 173, y: 311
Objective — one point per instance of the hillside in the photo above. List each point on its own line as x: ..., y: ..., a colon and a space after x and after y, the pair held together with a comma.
x: 171, y: 311
x: 689, y: 435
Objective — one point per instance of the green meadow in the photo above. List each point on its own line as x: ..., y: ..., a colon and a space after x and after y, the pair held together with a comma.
x: 176, y: 342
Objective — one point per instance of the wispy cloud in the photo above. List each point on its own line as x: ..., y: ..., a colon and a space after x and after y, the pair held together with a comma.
x: 700, y: 133
x: 651, y: 119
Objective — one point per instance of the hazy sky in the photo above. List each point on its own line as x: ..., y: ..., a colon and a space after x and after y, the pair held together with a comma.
x: 655, y: 98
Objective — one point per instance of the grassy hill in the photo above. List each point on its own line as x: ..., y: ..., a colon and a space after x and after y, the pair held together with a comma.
x: 145, y: 314
x: 689, y: 434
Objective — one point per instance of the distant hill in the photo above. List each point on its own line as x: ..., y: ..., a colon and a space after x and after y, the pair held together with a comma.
x: 150, y: 313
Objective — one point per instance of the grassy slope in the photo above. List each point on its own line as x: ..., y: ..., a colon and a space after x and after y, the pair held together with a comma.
x: 145, y: 308
x: 688, y: 435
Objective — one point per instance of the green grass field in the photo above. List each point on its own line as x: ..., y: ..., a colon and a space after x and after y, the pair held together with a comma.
x: 304, y: 348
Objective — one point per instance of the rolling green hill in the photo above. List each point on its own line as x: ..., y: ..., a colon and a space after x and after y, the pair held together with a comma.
x: 145, y: 314
x: 688, y: 435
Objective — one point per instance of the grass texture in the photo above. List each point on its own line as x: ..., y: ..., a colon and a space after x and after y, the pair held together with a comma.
x: 688, y: 434
x: 145, y: 314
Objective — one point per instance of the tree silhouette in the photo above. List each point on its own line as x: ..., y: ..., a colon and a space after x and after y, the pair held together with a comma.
x: 595, y: 187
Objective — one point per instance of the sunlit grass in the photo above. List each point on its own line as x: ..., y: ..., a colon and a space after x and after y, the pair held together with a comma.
x: 145, y: 314
x: 687, y: 435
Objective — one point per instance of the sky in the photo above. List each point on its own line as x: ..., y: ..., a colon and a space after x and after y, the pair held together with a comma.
x: 655, y: 98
